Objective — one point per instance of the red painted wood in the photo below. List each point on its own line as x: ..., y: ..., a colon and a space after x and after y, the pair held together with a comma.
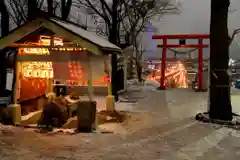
x: 183, y: 46
x: 182, y: 36
x: 163, y: 64
x: 200, y: 64
x: 200, y: 47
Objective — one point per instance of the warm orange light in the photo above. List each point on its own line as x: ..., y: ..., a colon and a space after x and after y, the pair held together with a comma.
x: 38, y: 51
x: 46, y: 40
x: 175, y: 71
x: 44, y: 70
x: 37, y: 69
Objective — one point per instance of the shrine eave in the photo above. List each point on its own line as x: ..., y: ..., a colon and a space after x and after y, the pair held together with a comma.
x: 93, y: 43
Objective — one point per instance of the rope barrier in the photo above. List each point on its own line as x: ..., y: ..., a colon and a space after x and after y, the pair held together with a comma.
x: 182, y: 52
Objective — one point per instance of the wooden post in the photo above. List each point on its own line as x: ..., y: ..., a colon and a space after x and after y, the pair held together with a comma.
x: 16, y: 108
x: 49, y: 82
x: 200, y: 64
x: 108, y: 73
x: 125, y: 71
x: 163, y: 63
x: 110, y: 99
x: 90, y: 87
x: 17, y: 82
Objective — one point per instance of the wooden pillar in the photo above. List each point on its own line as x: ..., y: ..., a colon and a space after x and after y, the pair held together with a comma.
x: 17, y: 86
x: 200, y: 64
x: 50, y: 79
x: 163, y: 63
x: 110, y: 99
x: 16, y: 108
x: 49, y: 87
x: 125, y: 71
x: 90, y: 87
x: 108, y: 73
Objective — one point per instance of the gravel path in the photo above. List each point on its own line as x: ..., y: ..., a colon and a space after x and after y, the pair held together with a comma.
x: 162, y: 128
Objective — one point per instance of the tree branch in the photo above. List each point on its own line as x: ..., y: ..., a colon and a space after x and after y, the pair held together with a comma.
x: 231, y: 38
x: 88, y: 4
x: 40, y: 3
x: 104, y: 3
x: 19, y: 14
x: 66, y: 8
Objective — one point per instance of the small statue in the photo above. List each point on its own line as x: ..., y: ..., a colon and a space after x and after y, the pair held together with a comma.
x: 55, y: 112
x: 73, y: 100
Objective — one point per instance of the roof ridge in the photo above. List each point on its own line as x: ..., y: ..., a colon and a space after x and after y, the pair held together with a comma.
x: 68, y: 21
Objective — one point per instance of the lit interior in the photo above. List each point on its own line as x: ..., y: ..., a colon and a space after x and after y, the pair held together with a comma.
x: 35, y: 76
x: 175, y: 71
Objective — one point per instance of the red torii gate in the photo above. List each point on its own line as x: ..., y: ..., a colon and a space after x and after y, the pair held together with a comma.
x: 200, y: 47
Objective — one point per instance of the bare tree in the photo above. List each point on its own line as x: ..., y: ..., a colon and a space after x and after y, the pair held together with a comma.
x: 235, y: 32
x: 32, y: 9
x: 232, y: 37
x: 4, y: 32
x: 220, y: 103
x: 18, y: 11
x: 22, y: 10
x: 4, y: 18
x: 108, y: 12
x: 50, y: 7
x: 111, y: 14
x: 66, y: 6
x: 120, y: 14
x: 137, y: 15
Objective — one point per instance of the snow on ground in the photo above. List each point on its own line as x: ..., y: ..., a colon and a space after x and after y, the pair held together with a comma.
x: 183, y: 102
x: 165, y: 129
x: 170, y: 103
x: 148, y: 84
x: 235, y: 100
x: 101, y: 104
x: 185, y: 97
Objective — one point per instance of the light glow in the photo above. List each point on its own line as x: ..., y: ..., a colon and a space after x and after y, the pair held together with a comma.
x: 39, y: 69
x: 34, y: 76
x: 46, y: 41
x: 38, y: 51
x: 175, y: 71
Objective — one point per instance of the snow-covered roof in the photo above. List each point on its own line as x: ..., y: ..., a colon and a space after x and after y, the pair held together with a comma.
x: 90, y: 36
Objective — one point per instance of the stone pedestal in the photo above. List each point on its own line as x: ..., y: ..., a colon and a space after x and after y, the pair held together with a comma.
x: 110, y: 103
x: 16, y: 113
x: 86, y: 116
